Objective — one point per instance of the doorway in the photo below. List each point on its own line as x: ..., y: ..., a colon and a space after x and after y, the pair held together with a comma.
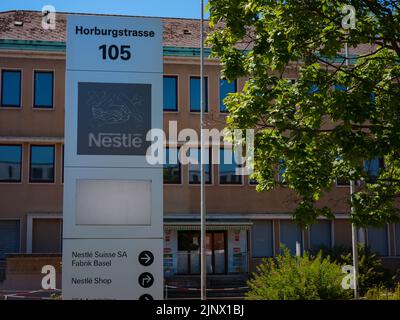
x: 189, y: 252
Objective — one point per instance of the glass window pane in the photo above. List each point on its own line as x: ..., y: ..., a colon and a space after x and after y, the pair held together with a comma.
x: 225, y: 87
x: 290, y: 233
x: 372, y: 167
x: 281, y: 170
x: 170, y: 93
x: 195, y: 94
x: 42, y: 164
x: 194, y: 166
x: 172, y: 167
x: 9, y: 237
x: 11, y: 88
x: 10, y: 163
x: 262, y: 238
x: 320, y: 235
x: 378, y: 240
x: 43, y: 89
x: 227, y: 168
x: 397, y: 235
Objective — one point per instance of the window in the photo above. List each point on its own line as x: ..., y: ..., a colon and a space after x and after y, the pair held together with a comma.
x: 46, y: 236
x: 262, y: 239
x: 170, y: 93
x: 290, y: 233
x: 43, y: 97
x: 342, y: 183
x: 195, y: 94
x: 378, y: 240
x: 42, y: 164
x: 194, y: 166
x: 281, y: 171
x: 9, y: 237
x: 253, y: 182
x: 227, y: 168
x: 397, y: 235
x: 314, y: 89
x: 372, y: 168
x: 320, y: 235
x: 10, y: 163
x: 225, y: 87
x: 63, y: 159
x: 11, y: 88
x: 172, y: 167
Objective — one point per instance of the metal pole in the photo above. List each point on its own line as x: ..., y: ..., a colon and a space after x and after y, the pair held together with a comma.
x: 354, y: 238
x: 354, y: 244
x: 203, y: 272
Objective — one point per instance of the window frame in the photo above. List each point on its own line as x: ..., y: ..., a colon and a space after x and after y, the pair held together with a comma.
x: 206, y: 100
x: 176, y: 92
x: 219, y: 94
x: 21, y: 164
x: 54, y: 164
x: 35, y: 105
x: 2, y: 105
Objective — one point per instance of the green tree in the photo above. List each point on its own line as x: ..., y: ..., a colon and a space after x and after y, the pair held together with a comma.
x: 288, y: 277
x: 320, y: 133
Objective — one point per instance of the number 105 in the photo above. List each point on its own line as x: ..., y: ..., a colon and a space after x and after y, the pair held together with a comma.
x: 114, y: 52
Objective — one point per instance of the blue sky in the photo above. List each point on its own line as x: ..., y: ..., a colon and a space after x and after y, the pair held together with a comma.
x: 157, y: 8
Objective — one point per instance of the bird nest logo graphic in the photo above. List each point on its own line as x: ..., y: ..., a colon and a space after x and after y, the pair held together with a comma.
x: 115, y: 108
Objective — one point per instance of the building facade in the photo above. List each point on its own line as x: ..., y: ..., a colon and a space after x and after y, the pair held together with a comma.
x: 243, y: 225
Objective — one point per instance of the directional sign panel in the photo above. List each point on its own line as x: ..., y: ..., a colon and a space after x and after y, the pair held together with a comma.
x: 109, y: 269
x: 113, y: 197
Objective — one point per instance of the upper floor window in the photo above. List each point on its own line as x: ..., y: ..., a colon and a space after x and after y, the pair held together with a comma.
x: 172, y: 166
x: 195, y: 168
x: 42, y: 164
x: 227, y: 168
x: 43, y: 96
x: 195, y: 94
x: 11, y: 88
x: 170, y: 93
x: 372, y: 168
x: 10, y: 163
x: 281, y: 171
x: 225, y: 87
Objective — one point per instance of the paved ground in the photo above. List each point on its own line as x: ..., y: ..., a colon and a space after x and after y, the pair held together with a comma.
x: 28, y: 295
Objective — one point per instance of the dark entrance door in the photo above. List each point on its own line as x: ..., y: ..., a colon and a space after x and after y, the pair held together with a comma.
x: 189, y: 252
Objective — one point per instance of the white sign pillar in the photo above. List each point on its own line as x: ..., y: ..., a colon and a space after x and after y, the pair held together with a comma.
x: 113, y: 198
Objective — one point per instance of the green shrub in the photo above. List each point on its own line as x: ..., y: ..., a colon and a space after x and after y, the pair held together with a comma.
x: 288, y: 277
x: 371, y: 272
x: 381, y: 293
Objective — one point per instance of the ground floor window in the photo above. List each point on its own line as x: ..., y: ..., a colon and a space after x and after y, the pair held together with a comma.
x: 377, y: 240
x: 47, y: 236
x: 397, y: 235
x: 320, y: 235
x: 290, y: 233
x: 9, y: 237
x: 262, y: 239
